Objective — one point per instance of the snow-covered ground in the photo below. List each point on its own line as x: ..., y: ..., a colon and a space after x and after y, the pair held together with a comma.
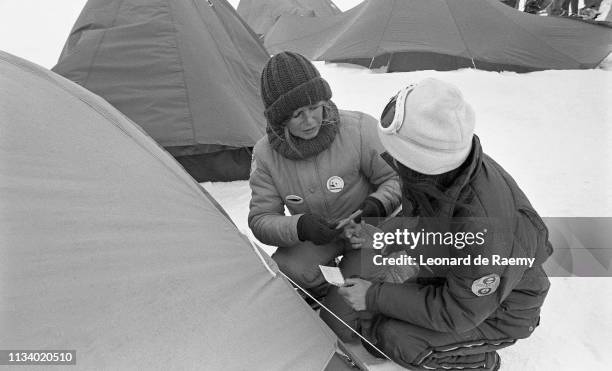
x: 552, y: 131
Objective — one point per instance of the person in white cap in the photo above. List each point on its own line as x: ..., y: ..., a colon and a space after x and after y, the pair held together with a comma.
x: 456, y: 313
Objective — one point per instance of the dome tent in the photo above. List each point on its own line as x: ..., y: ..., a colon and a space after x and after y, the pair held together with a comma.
x: 115, y: 252
x: 186, y: 71
x: 262, y: 14
x: 443, y: 35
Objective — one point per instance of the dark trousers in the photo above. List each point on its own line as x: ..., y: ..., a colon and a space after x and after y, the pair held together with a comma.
x: 301, y: 263
x: 419, y: 348
x: 570, y: 6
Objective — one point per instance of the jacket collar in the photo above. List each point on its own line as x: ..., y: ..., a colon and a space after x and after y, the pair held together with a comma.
x: 470, y: 171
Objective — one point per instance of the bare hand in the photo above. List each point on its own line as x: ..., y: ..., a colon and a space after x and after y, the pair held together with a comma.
x: 354, y: 293
x: 352, y: 233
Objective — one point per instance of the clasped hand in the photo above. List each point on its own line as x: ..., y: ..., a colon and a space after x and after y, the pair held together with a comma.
x: 354, y: 292
x: 352, y: 233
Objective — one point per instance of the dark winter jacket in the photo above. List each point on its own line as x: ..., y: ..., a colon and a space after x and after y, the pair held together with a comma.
x: 462, y: 297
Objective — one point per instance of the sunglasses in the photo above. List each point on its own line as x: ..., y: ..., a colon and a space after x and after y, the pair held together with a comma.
x: 392, y: 117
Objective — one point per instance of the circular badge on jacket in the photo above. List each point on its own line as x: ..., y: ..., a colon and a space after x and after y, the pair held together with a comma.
x: 485, y: 285
x: 335, y: 184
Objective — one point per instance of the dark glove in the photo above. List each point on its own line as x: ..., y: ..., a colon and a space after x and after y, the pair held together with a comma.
x: 314, y: 228
x: 371, y: 208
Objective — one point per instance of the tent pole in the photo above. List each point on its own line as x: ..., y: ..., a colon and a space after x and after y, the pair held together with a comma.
x: 371, y: 62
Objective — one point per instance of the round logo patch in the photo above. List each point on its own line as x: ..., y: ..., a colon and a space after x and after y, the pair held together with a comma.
x: 335, y: 184
x: 485, y: 285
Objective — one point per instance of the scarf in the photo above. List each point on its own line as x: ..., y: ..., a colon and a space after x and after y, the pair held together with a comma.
x: 295, y: 148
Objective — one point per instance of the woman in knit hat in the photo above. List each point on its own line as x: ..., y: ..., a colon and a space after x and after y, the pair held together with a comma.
x: 454, y: 314
x: 319, y: 162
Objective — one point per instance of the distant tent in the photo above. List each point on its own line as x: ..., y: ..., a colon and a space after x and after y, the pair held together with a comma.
x: 186, y: 71
x: 443, y: 35
x: 261, y: 14
x: 108, y: 247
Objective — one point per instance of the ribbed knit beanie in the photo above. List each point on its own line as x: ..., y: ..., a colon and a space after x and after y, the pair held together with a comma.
x: 288, y: 82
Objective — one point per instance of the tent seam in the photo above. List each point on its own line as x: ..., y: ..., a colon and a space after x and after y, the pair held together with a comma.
x: 238, y: 50
x: 208, y: 29
x: 225, y: 29
x: 93, y: 59
x: 182, y: 71
x: 333, y: 40
x: 382, y: 34
x: 471, y: 55
x: 217, y: 45
x: 250, y: 30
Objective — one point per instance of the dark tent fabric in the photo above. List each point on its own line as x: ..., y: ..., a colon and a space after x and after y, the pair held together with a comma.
x: 262, y: 14
x: 443, y: 35
x: 186, y: 71
x: 108, y: 247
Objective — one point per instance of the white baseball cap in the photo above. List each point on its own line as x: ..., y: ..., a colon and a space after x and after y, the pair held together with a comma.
x: 428, y: 127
